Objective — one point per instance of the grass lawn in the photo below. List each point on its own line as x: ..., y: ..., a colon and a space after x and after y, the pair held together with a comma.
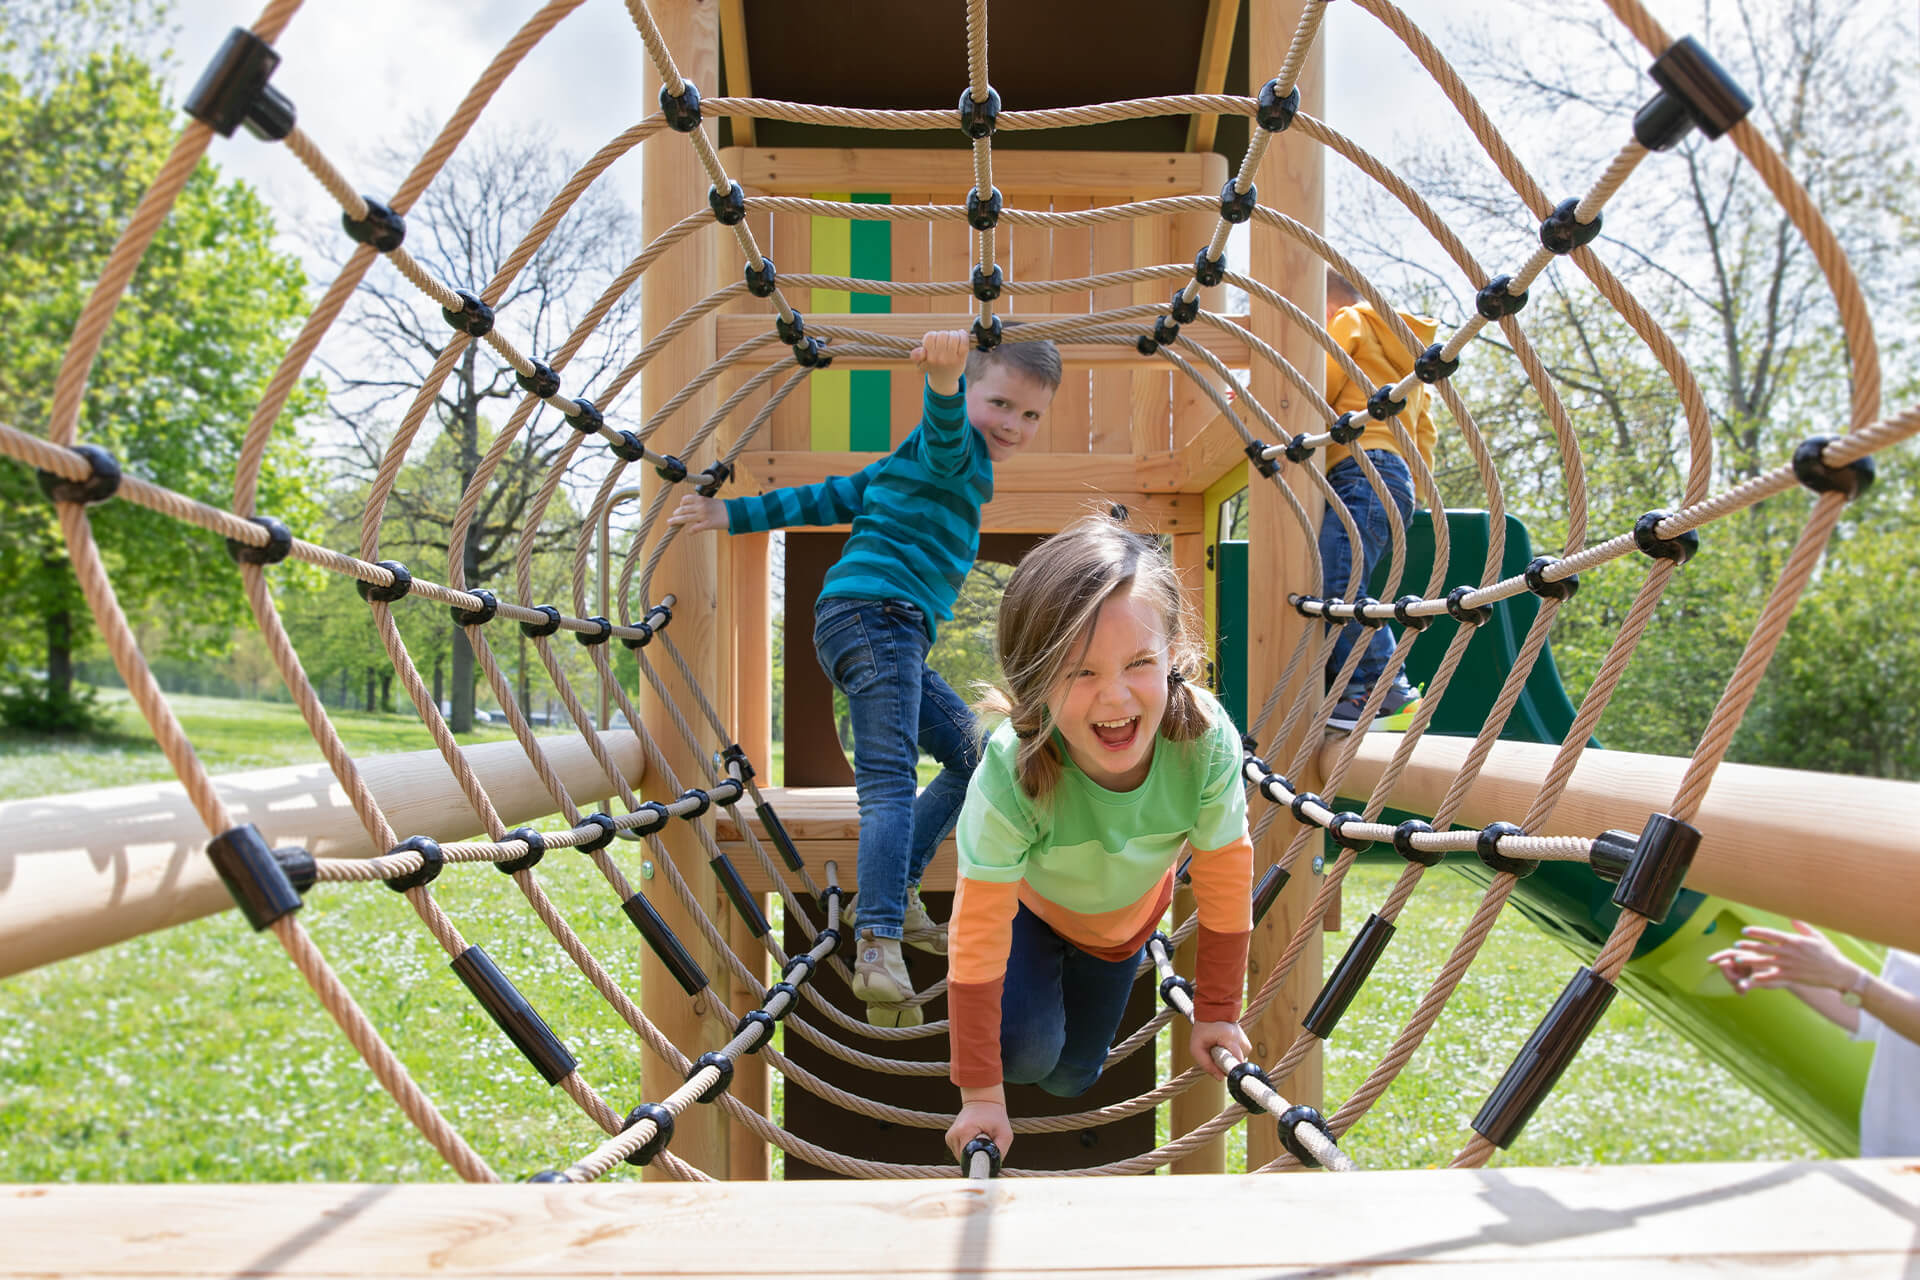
x: 199, y: 1054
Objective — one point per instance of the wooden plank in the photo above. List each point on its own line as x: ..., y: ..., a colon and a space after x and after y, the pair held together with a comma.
x: 1032, y: 259
x: 792, y: 423
x: 1069, y: 419
x: 1025, y: 175
x: 1850, y: 1218
x: 1023, y: 473
x: 734, y: 330
x: 912, y: 263
x: 733, y: 53
x: 1216, y: 46
x: 1150, y: 416
x: 1111, y: 387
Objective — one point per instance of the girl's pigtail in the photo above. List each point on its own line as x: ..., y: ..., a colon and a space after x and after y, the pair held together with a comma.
x: 1186, y: 719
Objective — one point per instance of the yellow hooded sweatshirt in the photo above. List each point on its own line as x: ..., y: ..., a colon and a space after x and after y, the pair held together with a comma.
x: 1365, y: 336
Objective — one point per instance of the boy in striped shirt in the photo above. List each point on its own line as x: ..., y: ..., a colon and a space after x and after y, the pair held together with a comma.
x: 915, y: 517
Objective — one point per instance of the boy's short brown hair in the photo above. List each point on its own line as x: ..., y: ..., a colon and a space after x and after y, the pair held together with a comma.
x: 1039, y: 360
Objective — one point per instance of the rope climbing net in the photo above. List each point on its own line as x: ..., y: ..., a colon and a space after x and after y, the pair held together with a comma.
x: 270, y: 883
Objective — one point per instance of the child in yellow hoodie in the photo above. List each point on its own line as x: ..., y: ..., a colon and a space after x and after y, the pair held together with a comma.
x: 1365, y: 336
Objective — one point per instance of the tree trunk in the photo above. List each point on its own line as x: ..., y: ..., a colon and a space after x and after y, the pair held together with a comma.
x: 373, y: 674
x: 59, y: 657
x: 439, y: 683
x: 462, y: 718
x: 386, y: 689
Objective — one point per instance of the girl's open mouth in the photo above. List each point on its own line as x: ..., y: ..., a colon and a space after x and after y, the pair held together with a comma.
x: 1117, y: 735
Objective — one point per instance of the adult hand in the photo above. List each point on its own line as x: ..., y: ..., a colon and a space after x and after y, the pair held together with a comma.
x: 981, y: 1115
x: 1227, y: 1035
x: 942, y: 357
x: 699, y: 514
x: 1775, y: 958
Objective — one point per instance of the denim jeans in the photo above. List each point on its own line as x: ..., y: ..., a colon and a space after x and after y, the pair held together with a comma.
x: 875, y: 652
x: 1336, y: 558
x: 1059, y: 1009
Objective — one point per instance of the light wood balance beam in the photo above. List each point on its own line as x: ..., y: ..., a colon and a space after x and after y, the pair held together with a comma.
x: 1836, y: 850
x: 1840, y: 1217
x: 94, y: 868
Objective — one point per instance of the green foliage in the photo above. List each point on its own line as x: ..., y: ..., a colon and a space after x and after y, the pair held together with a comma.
x: 38, y: 706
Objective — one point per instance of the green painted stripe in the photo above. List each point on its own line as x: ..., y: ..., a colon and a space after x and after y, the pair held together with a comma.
x: 828, y: 390
x: 870, y: 257
x: 869, y: 407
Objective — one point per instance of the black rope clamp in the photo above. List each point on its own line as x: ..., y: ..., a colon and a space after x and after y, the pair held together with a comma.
x: 1612, y: 854
x: 1171, y: 983
x: 1430, y: 368
x: 474, y: 318
x: 608, y: 830
x: 791, y: 330
x: 1662, y: 855
x: 382, y: 228
x: 1381, y: 405
x: 1487, y: 845
x: 987, y: 285
x: 1366, y: 611
x: 1238, y: 206
x: 1811, y: 469
x: 1694, y: 90
x: 787, y: 989
x: 1257, y: 454
x: 762, y: 279
x: 1337, y: 829
x: 1496, y: 301
x: 542, y: 382
x: 1267, y: 891
x: 1403, y: 843
x: 713, y: 478
x: 535, y: 630
x: 1545, y: 1055
x: 489, y: 606
x: 671, y: 469
x: 1345, y: 430
x: 629, y: 448
x: 729, y: 209
x: 1646, y: 536
x: 983, y: 215
x: 757, y: 1018
x: 719, y: 1062
x: 266, y: 884
x: 402, y: 583
x: 682, y: 109
x: 536, y: 850
x: 602, y: 634
x: 988, y: 333
x: 431, y: 860
x: 1274, y: 113
x: 101, y: 484
x: 1145, y: 345
x: 1209, y: 271
x: 1165, y: 331
x: 1411, y: 621
x: 1294, y: 1116
x: 810, y: 354
x: 829, y: 936
x: 1237, y: 1085
x: 702, y: 801
x: 661, y: 1117
x: 1297, y: 806
x: 1540, y: 585
x: 805, y: 963
x: 980, y: 1145
x: 1561, y: 232
x: 653, y: 816
x: 233, y: 90
x: 1299, y: 449
x: 1457, y: 608
x: 1183, y: 309
x: 734, y: 759
x: 586, y: 417
x: 279, y: 544
x: 979, y: 119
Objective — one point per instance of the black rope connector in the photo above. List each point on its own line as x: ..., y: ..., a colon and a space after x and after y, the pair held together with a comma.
x: 1165, y: 331
x: 1457, y: 608
x: 670, y: 950
x: 729, y: 209
x: 1337, y: 829
x: 1351, y: 974
x: 987, y: 333
x: 1345, y: 430
x: 1561, y: 232
x: 1297, y: 806
x: 713, y: 478
x: 719, y: 1062
x: 829, y: 936
x: 1238, y: 206
x: 1237, y: 1085
x: 1183, y: 309
x: 265, y: 883
x: 547, y: 1175
x: 1267, y: 891
x: 1488, y: 847
x: 1410, y: 621
x: 628, y: 448
x: 1299, y: 449
x: 979, y: 119
x: 1430, y: 368
x: 987, y: 285
x: 1366, y: 611
x: 1694, y: 90
x: 535, y: 630
x: 602, y: 634
x: 489, y: 606
x: 1257, y: 454
x: 1403, y: 843
x: 744, y: 904
x: 1171, y: 983
x: 431, y: 861
x: 661, y: 1117
x: 542, y: 382
x: 1661, y: 857
x: 791, y: 330
x: 671, y: 469
x: 233, y: 90
x: 1209, y: 271
x: 279, y: 544
x: 1612, y: 854
x: 1381, y: 405
x: 402, y: 583
x: 682, y: 109
x: 1274, y: 113
x: 536, y: 850
x: 1542, y: 1059
x: 513, y: 1015
x: 101, y: 484
x: 1145, y: 345
x: 805, y: 963
x: 791, y: 992
x: 608, y: 829
x: 474, y: 318
x: 702, y: 802
x: 1545, y: 588
x: 981, y: 1145
x: 382, y: 228
x: 1294, y: 1116
x: 756, y: 1018
x: 777, y: 832
x: 1495, y: 302
x: 586, y: 417
x: 983, y: 215
x: 810, y: 354
x: 762, y: 279
x: 1646, y: 536
x: 1811, y: 469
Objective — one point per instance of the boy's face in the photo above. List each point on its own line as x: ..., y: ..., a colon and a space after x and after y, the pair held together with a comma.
x: 1006, y: 407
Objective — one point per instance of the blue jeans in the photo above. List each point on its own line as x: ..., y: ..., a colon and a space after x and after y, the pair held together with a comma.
x: 1336, y: 558
x: 1059, y: 1009
x: 875, y: 652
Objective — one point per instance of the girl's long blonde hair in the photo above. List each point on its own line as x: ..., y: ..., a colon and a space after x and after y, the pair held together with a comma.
x: 1048, y: 610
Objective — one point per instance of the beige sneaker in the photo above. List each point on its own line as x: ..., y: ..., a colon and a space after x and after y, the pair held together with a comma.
x: 894, y: 1015
x: 880, y: 978
x: 920, y: 931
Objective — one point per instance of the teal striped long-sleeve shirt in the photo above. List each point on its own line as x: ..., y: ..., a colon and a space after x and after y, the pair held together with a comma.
x: 915, y: 513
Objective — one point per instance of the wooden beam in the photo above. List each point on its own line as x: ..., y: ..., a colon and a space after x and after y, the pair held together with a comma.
x: 1815, y: 1217
x: 1198, y: 462
x: 1216, y: 46
x: 736, y: 329
x: 733, y: 54
x: 1023, y: 473
x: 802, y: 171
x: 1832, y: 849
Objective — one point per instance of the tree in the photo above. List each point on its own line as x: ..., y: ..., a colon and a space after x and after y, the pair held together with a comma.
x: 462, y: 231
x: 176, y: 380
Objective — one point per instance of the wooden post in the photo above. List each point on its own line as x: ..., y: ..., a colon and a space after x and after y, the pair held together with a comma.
x: 673, y: 183
x: 1291, y: 179
x: 752, y: 687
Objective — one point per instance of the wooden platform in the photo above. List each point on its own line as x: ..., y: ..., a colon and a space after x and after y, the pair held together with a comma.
x: 1849, y: 1218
